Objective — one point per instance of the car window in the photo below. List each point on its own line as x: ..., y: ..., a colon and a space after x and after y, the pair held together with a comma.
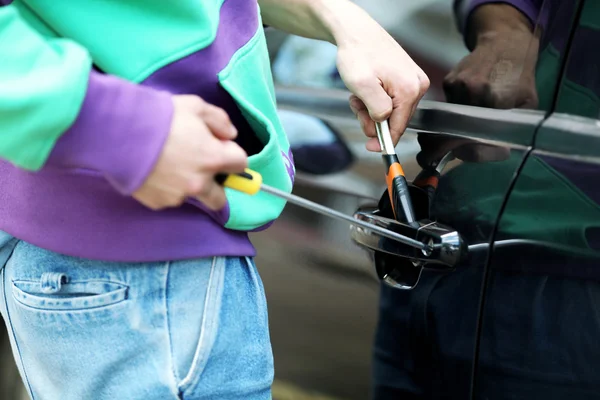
x: 541, y: 298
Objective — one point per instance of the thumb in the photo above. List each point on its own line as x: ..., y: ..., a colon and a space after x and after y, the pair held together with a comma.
x: 378, y: 102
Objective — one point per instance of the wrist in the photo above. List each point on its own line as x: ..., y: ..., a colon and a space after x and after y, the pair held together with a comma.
x: 489, y: 22
x: 343, y: 22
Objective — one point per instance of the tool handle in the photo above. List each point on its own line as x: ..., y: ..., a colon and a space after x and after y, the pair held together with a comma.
x: 248, y: 182
x: 398, y: 189
x: 428, y: 180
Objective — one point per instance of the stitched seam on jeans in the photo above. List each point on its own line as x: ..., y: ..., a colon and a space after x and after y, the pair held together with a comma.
x: 187, y: 381
x: 260, y: 295
x: 210, y: 320
x: 168, y: 328
x: 74, y: 304
x: 12, y: 331
x: 109, y: 281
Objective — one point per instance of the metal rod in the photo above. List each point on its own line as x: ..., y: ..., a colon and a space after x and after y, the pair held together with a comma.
x: 444, y: 161
x: 385, y: 137
x: 299, y: 201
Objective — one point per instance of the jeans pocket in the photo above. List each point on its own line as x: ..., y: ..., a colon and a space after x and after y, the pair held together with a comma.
x: 69, y: 295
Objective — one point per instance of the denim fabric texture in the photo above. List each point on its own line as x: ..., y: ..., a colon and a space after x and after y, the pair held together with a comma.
x: 82, y: 329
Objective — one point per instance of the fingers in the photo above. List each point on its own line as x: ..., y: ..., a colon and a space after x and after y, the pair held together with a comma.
x: 529, y: 99
x: 213, y: 196
x: 366, y: 123
x: 215, y: 118
x: 373, y: 145
x: 469, y: 82
x: 198, y: 147
x: 455, y: 90
x: 399, y: 121
x: 531, y: 103
x: 406, y: 101
x: 406, y: 96
x: 218, y: 122
x: 221, y: 155
x: 231, y: 158
x: 158, y: 199
x: 374, y: 97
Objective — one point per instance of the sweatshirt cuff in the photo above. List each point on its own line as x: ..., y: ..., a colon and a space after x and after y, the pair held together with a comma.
x: 527, y: 7
x: 120, y: 132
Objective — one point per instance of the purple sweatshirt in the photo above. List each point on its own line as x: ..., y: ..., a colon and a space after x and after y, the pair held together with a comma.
x: 90, y: 214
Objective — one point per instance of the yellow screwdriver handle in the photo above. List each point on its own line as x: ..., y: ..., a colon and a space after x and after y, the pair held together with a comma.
x: 248, y: 182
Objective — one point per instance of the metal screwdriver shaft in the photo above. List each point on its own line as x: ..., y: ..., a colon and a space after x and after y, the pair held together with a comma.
x: 301, y: 202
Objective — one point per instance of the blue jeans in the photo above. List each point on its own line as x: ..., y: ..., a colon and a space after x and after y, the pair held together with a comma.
x: 82, y: 329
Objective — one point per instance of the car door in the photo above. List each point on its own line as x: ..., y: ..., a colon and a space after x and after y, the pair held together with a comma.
x: 540, y: 326
x: 424, y: 337
x: 335, y: 328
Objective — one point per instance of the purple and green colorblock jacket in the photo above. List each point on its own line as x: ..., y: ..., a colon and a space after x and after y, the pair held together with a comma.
x: 85, y: 108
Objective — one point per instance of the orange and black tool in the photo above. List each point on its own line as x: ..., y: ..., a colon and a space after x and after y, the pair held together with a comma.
x: 396, y: 182
x: 429, y: 177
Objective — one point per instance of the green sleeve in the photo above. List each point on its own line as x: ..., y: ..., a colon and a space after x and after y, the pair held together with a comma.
x: 43, y: 83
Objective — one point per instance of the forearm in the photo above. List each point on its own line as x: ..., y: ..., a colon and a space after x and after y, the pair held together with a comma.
x: 509, y: 12
x: 335, y: 21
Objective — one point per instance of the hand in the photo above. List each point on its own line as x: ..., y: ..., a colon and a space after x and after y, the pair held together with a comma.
x: 500, y: 72
x: 385, y: 82
x: 198, y: 147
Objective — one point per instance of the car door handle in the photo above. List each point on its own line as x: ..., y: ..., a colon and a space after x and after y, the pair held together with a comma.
x: 446, y: 248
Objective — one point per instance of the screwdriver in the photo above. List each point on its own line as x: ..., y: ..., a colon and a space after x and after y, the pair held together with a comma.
x: 396, y: 182
x: 250, y: 182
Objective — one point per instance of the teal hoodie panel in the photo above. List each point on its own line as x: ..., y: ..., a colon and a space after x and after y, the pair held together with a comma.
x: 43, y: 83
x: 133, y: 38
x: 256, y: 98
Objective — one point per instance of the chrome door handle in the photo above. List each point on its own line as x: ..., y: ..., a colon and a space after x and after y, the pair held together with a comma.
x: 446, y: 247
x: 400, y: 265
